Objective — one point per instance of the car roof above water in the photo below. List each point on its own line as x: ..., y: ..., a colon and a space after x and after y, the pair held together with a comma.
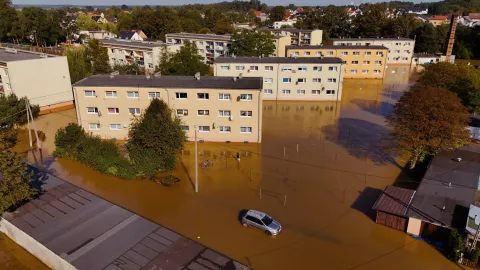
x: 257, y: 214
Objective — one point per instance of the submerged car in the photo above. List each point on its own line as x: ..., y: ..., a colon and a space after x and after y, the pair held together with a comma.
x: 262, y: 221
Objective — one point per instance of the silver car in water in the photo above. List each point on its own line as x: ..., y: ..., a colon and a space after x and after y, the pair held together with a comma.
x: 261, y: 221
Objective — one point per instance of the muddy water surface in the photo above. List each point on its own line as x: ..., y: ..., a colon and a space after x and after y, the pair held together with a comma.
x: 318, y: 171
x: 14, y: 257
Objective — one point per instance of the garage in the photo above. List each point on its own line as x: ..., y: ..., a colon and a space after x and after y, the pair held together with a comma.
x: 392, y: 206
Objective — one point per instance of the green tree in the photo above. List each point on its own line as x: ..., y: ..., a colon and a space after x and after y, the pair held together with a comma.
x: 427, y: 120
x: 125, y: 22
x: 77, y: 64
x: 7, y: 19
x: 186, y: 62
x: 334, y: 20
x: 132, y: 69
x: 97, y: 57
x: 86, y: 23
x: 251, y: 43
x: 403, y: 26
x: 372, y: 22
x: 455, y: 245
x: 223, y: 27
x: 155, y: 139
x: 427, y: 39
x: 277, y: 13
x: 13, y: 110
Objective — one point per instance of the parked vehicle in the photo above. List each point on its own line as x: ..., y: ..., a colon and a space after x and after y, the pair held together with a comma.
x: 261, y: 221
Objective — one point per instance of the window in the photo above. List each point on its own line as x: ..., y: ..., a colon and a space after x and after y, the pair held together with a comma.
x: 92, y: 110
x: 354, y: 62
x: 245, y: 129
x: 378, y: 63
x: 286, y: 68
x: 330, y: 92
x: 306, y: 53
x: 111, y: 94
x: 318, y: 69
x: 406, y: 51
x: 150, y: 65
x: 368, y: 53
x: 364, y: 71
x: 93, y: 126
x: 356, y: 53
x: 295, y: 54
x: 301, y: 92
x: 152, y: 95
x: 286, y: 92
x: 404, y: 58
x: 223, y: 113
x: 225, y: 129
x: 287, y: 80
x: 182, y: 112
x: 379, y: 53
x: 398, y: 43
x: 113, y: 111
x: 132, y: 94
x: 134, y: 111
x: 268, y: 91
x: 332, y: 80
x: 301, y: 80
x: 366, y: 62
x: 318, y: 54
x: 332, y: 68
x: 330, y: 53
x: 253, y: 68
x: 344, y: 53
x: 223, y: 96
x: 246, y: 97
x: 203, y: 112
x: 245, y: 113
x: 315, y: 92
x: 203, y: 96
x: 376, y: 71
x: 90, y: 93
x: 268, y: 68
x: 239, y: 67
x: 267, y: 80
x: 397, y: 51
x: 204, y: 128
x: 186, y: 128
x: 181, y: 95
x: 353, y: 71
x: 224, y: 68
x: 302, y: 68
x: 316, y: 80
x: 115, y: 126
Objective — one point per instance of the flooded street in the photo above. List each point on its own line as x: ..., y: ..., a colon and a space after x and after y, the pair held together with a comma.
x: 318, y: 171
x: 14, y: 257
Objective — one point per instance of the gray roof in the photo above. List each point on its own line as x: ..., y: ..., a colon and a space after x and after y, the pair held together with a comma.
x: 205, y: 82
x: 429, y: 55
x: 286, y: 30
x: 128, y: 43
x: 370, y: 38
x: 20, y: 55
x: 199, y: 36
x: 338, y: 47
x: 435, y: 192
x: 126, y: 34
x: 280, y: 60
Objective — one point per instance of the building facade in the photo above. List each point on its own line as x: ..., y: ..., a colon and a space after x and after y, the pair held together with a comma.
x: 209, y: 46
x: 100, y: 34
x: 145, y: 54
x: 437, y: 20
x: 43, y: 79
x: 280, y: 24
x: 299, y: 36
x: 400, y: 50
x: 361, y: 62
x: 222, y: 108
x: 288, y: 78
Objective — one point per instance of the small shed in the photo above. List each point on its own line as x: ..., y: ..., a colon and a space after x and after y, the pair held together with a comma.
x: 392, y: 207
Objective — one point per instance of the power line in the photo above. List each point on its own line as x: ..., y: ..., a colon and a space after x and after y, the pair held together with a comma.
x: 12, y: 115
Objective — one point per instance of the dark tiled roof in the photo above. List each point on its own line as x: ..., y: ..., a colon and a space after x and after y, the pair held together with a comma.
x: 337, y: 47
x: 394, y: 200
x: 20, y: 55
x: 370, y: 38
x: 205, y: 82
x: 128, y: 43
x: 126, y: 34
x: 280, y: 60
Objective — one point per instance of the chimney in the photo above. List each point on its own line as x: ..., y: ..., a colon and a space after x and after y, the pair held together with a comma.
x: 240, y: 76
x: 197, y: 76
x: 234, y: 79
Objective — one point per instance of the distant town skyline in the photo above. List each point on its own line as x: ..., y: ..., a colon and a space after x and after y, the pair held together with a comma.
x: 184, y: 2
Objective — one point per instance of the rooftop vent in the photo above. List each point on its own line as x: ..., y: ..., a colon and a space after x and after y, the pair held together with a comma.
x: 197, y: 76
x: 443, y: 208
x: 458, y: 159
x: 113, y: 74
x: 234, y: 79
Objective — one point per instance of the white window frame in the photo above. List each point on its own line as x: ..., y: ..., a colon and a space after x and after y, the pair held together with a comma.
x: 378, y: 63
x: 155, y: 95
x: 253, y: 68
x: 222, y: 129
x: 135, y: 111
x: 301, y: 92
x: 204, y: 111
x: 184, y: 112
x: 286, y: 68
x: 379, y: 53
x: 344, y: 53
x: 225, y: 68
x: 364, y: 71
x: 316, y: 92
x: 222, y: 96
x: 268, y: 68
x: 376, y: 71
x: 97, y: 126
x: 304, y: 80
x: 330, y: 92
x: 113, y: 92
x: 246, y: 95
x: 353, y: 71
x: 268, y: 91
x: 317, y: 68
x: 117, y: 110
x: 366, y: 62
x: 203, y: 128
x: 316, y: 80
x: 178, y: 94
x: 368, y: 53
x: 95, y: 110
x: 329, y: 53
x: 90, y: 91
x: 206, y: 96
x: 239, y: 68
x: 332, y: 68
x: 286, y: 92
x: 247, y: 114
x: 302, y: 68
x: 187, y: 129
x: 306, y: 53
x: 246, y: 132
x: 356, y: 53
x: 224, y: 113
x: 135, y: 96
x: 289, y: 80
x: 332, y: 80
x: 267, y: 80
x: 354, y: 62
x: 119, y: 126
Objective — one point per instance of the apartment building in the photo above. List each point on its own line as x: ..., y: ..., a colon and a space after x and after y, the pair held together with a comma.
x: 145, y: 54
x: 209, y: 46
x: 287, y: 78
x: 281, y: 42
x: 361, y: 62
x: 43, y: 78
x: 222, y: 108
x: 299, y: 36
x: 400, y: 50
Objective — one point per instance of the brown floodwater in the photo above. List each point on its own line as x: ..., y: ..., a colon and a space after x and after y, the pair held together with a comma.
x: 14, y: 257
x: 321, y: 193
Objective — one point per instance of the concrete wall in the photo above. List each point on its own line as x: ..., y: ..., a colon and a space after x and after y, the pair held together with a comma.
x: 414, y: 226
x: 44, y: 81
x: 280, y: 44
x: 400, y: 51
x: 38, y: 250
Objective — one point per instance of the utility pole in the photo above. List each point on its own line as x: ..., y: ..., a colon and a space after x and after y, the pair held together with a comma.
x: 28, y: 125
x: 33, y: 124
x: 196, y: 161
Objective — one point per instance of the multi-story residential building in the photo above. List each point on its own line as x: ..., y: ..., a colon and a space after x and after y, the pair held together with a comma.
x: 400, y: 50
x: 145, y: 54
x: 286, y: 78
x: 100, y: 34
x: 281, y: 42
x: 299, y: 36
x: 287, y: 23
x: 361, y: 62
x: 221, y: 108
x: 43, y: 78
x: 209, y: 46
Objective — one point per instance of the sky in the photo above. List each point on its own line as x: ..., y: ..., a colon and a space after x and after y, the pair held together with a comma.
x: 182, y: 2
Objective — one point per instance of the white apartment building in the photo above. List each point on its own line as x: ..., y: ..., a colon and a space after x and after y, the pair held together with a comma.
x: 43, y: 78
x: 145, y: 54
x: 100, y: 34
x: 209, y: 46
x: 400, y: 50
x: 279, y: 24
x: 286, y: 78
x: 298, y: 36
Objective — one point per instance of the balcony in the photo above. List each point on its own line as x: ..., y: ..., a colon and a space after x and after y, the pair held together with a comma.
x: 221, y: 48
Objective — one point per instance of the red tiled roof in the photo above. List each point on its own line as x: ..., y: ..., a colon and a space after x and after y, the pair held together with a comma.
x: 439, y: 18
x: 257, y: 12
x: 475, y: 16
x: 394, y: 200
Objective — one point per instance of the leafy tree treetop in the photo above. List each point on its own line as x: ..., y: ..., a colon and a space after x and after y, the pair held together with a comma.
x: 185, y: 62
x: 252, y: 43
x: 13, y: 110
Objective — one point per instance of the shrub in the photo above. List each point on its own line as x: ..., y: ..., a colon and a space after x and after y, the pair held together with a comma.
x: 68, y: 139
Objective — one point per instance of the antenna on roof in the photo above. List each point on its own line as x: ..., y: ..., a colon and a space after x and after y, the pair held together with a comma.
x: 113, y: 74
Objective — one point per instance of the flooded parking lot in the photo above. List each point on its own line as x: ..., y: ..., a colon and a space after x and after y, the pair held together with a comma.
x: 318, y: 171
